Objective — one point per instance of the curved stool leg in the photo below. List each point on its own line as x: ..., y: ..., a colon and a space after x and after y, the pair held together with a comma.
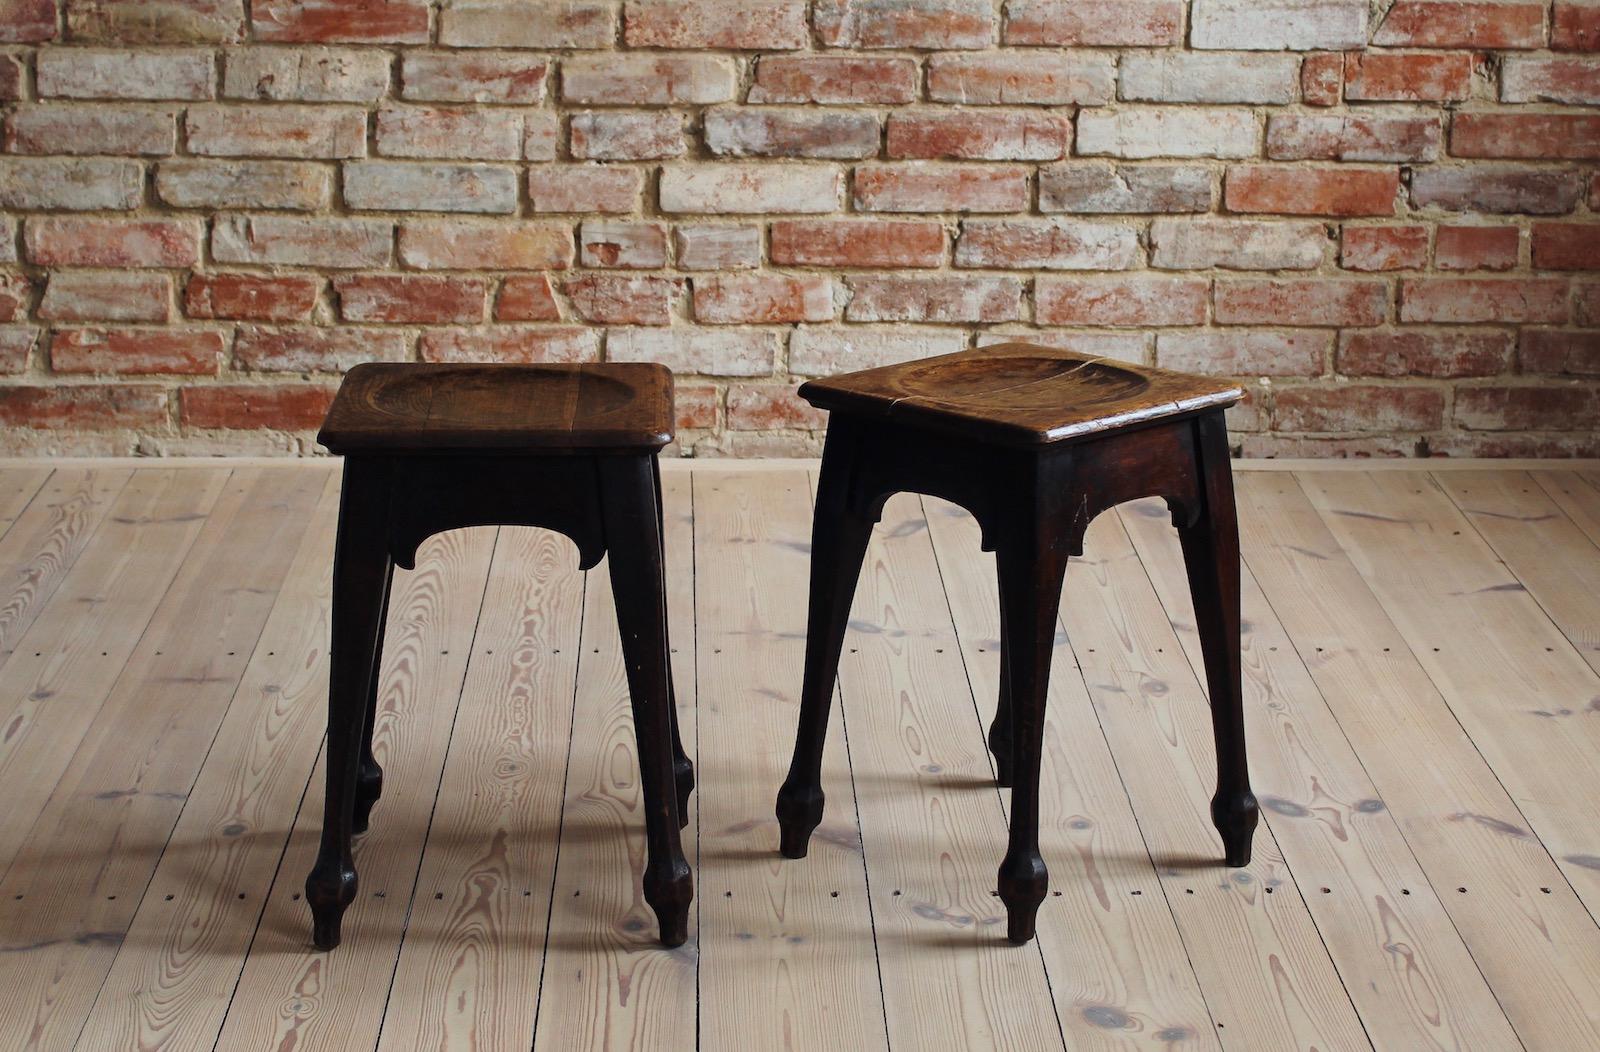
x: 682, y: 766
x: 369, y: 777
x: 1000, y: 729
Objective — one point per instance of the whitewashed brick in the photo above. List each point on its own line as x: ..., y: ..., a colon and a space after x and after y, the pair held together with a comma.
x: 751, y: 188
x: 1189, y: 77
x: 1168, y: 132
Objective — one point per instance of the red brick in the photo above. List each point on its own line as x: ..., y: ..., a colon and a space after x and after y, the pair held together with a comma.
x: 83, y: 406
x: 1237, y: 244
x: 1530, y: 135
x: 750, y: 25
x: 1047, y: 244
x: 941, y: 298
x: 15, y: 293
x: 1588, y: 297
x: 630, y: 245
x: 527, y: 297
x: 124, y: 73
x: 252, y: 297
x: 584, y: 188
x: 1294, y: 353
x: 1525, y: 408
x: 475, y: 133
x: 289, y: 407
x: 1309, y: 302
x: 510, y: 343
x: 998, y: 78
x: 1460, y: 23
x: 418, y: 298
x: 940, y: 188
x: 646, y: 80
x: 710, y: 352
x: 73, y: 129
x: 623, y: 299
x: 312, y: 74
x: 312, y: 349
x: 1376, y: 76
x: 1095, y: 23
x: 1566, y: 246
x: 768, y: 407
x: 762, y: 298
x: 1559, y: 353
x: 1352, y: 137
x: 1322, y: 79
x: 340, y: 21
x: 11, y: 76
x: 905, y: 23
x: 16, y: 348
x: 1476, y: 247
x: 750, y: 188
x: 1564, y: 79
x: 137, y: 352
x: 638, y: 136
x: 484, y: 76
x: 978, y: 136
x: 451, y: 244
x: 1311, y: 191
x: 1376, y: 248
x: 66, y: 241
x: 849, y: 79
x: 1094, y: 188
x: 1358, y: 407
x: 696, y: 406
x: 1444, y: 353
x: 519, y: 24
x: 1500, y: 189
x: 857, y: 243
x: 761, y: 132
x: 707, y: 246
x: 1575, y: 25
x: 27, y: 21
x: 276, y: 130
x: 106, y: 296
x: 1131, y: 301
x: 1469, y: 300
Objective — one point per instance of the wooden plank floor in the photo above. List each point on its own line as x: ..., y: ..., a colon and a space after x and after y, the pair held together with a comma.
x: 1422, y: 683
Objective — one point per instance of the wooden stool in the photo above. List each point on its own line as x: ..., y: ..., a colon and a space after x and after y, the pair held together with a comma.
x: 1034, y: 442
x: 429, y: 448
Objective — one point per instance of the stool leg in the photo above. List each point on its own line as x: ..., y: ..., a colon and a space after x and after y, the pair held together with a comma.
x: 682, y: 767
x: 633, y: 540
x: 839, y: 538
x: 369, y: 778
x: 1032, y: 595
x: 360, y: 564
x: 1211, y: 556
x: 1000, y: 729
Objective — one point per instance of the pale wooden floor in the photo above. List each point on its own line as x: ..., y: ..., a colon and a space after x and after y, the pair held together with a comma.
x: 1422, y: 662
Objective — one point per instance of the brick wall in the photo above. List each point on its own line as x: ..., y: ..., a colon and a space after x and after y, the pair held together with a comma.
x: 1384, y: 217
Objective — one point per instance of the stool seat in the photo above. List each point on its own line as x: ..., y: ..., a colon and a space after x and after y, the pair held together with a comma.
x: 392, y: 407
x: 1019, y: 394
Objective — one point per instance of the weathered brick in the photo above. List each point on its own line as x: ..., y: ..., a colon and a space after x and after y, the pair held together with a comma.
x: 137, y: 352
x: 1352, y: 137
x: 15, y: 293
x: 157, y: 22
x: 1308, y: 302
x: 461, y: 244
x: 623, y: 299
x: 120, y: 295
x: 940, y: 188
x: 483, y: 76
x: 340, y: 21
x: 292, y: 407
x: 1447, y: 353
x: 1462, y: 23
x: 527, y: 297
x: 998, y: 78
x: 1358, y: 407
x: 646, y: 80
x: 294, y: 185
x: 1122, y: 346
x: 1279, y: 25
x: 637, y: 136
x: 616, y: 243
x: 584, y: 188
x: 8, y: 239
x: 27, y: 21
x: 312, y: 349
x: 12, y: 75
x: 1168, y: 132
x: 939, y: 298
x: 1575, y: 25
x: 707, y: 246
x: 1092, y: 187
x: 1379, y: 248
x: 1377, y: 76
x: 823, y: 351
x: 528, y: 23
x: 73, y: 183
x: 1500, y: 189
x: 765, y: 132
x: 709, y: 352
x: 1526, y: 408
x: 851, y: 79
x: 124, y: 73
x: 1557, y: 352
x: 1565, y: 79
x: 765, y: 407
x: 510, y: 343
x: 93, y: 129
x: 1322, y: 79
x: 422, y: 298
x: 297, y: 242
x: 1468, y: 300
x: 1095, y: 23
x: 69, y: 241
x: 1237, y: 244
x: 1289, y: 190
x: 262, y: 130
x: 1125, y: 301
x: 750, y: 188
x: 750, y: 25
x: 1566, y: 246
x: 252, y: 297
x: 1046, y: 244
x: 313, y: 74
x: 79, y: 406
x: 905, y: 23
x: 541, y: 134
x: 16, y: 348
x: 735, y: 299
x: 1293, y: 353
x: 1476, y: 247
x: 476, y: 133
x: 1202, y: 77
x: 1530, y: 135
x: 1588, y: 304
x: 412, y: 187
x: 979, y: 136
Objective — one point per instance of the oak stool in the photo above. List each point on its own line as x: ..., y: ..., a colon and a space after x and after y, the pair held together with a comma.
x: 1034, y: 442
x: 429, y: 448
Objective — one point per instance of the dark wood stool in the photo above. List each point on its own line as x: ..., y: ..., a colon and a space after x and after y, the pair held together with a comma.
x: 430, y: 448
x: 1034, y: 442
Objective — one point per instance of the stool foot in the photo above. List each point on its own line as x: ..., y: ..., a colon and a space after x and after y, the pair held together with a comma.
x: 669, y: 895
x: 1235, y: 817
x: 799, y: 814
x: 369, y: 787
x: 1023, y: 882
x: 1000, y: 748
x: 683, y: 778
x: 330, y: 889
